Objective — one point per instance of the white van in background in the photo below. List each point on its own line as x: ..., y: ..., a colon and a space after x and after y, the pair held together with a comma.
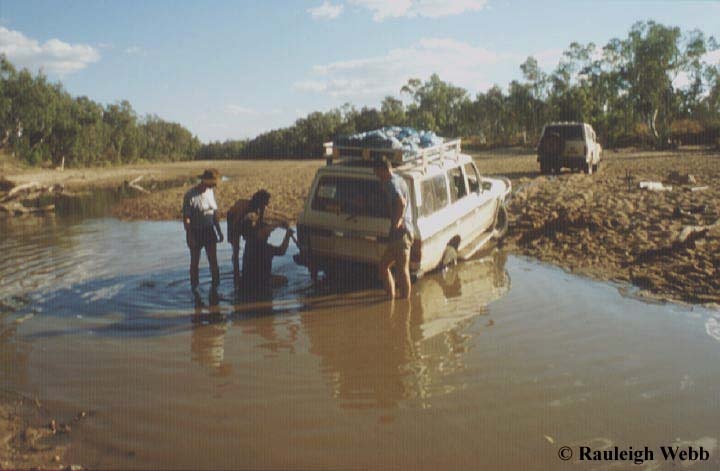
x: 345, y: 217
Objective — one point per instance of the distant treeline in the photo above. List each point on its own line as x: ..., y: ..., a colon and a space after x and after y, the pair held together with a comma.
x: 41, y: 123
x: 653, y: 88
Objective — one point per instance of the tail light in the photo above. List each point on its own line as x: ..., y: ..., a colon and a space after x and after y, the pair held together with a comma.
x: 416, y: 251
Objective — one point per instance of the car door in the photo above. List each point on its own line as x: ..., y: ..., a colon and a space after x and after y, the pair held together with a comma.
x: 482, y: 202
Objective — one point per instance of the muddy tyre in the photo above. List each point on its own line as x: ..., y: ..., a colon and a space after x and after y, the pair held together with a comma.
x: 595, y: 167
x: 587, y: 168
x: 449, y: 258
x: 501, y: 222
x: 545, y: 167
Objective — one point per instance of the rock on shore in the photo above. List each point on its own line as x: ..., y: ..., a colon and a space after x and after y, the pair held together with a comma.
x: 606, y: 227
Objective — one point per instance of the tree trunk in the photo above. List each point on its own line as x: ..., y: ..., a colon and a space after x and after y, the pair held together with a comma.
x: 653, y: 120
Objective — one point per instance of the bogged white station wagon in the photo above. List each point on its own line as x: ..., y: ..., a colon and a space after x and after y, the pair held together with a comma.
x: 346, y: 219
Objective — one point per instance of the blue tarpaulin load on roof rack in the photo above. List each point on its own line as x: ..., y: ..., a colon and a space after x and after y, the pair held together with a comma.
x: 406, y: 139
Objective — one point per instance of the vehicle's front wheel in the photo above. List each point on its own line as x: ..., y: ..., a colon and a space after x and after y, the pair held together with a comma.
x: 587, y: 168
x: 595, y: 167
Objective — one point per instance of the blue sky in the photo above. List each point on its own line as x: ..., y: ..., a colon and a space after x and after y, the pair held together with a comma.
x: 233, y: 69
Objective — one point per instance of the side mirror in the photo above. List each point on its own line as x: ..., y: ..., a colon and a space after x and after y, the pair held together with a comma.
x: 486, y: 186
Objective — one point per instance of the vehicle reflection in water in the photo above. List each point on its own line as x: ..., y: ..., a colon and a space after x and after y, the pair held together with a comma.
x: 377, y: 354
x: 374, y: 353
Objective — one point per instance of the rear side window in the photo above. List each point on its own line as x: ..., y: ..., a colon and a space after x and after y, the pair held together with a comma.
x: 351, y: 196
x: 567, y: 133
x: 434, y: 195
x: 457, y: 184
x: 473, y: 178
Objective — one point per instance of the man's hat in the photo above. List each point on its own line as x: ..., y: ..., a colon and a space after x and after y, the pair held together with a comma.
x: 210, y: 176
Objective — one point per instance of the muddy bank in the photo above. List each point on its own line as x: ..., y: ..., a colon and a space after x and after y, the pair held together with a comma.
x: 606, y: 227
x: 29, y: 439
x: 287, y: 182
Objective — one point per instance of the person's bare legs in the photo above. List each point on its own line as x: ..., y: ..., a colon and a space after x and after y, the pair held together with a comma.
x: 236, y: 262
x: 404, y: 279
x: 386, y: 275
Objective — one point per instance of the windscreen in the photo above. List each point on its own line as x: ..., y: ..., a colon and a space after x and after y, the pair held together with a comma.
x: 350, y: 196
x: 567, y: 133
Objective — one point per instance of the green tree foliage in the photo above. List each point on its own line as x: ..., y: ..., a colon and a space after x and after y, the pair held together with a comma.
x: 649, y: 87
x: 41, y: 123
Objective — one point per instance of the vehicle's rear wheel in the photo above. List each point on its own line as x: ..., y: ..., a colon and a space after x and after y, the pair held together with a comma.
x: 545, y: 167
x: 449, y: 258
x: 587, y: 168
x: 448, y: 263
x: 501, y: 222
x: 595, y: 167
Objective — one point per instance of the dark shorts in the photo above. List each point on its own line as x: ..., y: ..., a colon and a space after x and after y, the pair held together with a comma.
x: 398, y: 248
x: 204, y: 237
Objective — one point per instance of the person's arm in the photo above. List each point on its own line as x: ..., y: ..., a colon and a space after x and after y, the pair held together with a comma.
x: 216, y: 222
x: 186, y: 213
x: 285, y: 243
x: 398, y: 209
x: 186, y: 221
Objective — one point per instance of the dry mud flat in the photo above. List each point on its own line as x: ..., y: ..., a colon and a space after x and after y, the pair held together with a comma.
x: 665, y: 242
x: 287, y: 181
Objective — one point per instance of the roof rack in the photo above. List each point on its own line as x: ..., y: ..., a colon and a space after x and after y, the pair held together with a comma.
x: 450, y: 149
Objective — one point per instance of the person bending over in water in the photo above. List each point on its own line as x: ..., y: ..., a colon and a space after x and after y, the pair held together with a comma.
x: 201, y: 221
x: 257, y: 274
x: 237, y: 224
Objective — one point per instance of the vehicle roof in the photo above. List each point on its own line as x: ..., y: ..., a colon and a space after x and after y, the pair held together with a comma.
x: 414, y: 169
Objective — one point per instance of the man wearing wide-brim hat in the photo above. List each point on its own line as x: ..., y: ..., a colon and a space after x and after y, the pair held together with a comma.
x: 202, y: 226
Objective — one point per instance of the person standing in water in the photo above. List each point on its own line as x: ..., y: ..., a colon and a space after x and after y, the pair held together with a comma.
x: 401, y: 230
x: 201, y: 223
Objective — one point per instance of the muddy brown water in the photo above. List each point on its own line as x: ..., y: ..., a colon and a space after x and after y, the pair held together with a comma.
x: 493, y: 365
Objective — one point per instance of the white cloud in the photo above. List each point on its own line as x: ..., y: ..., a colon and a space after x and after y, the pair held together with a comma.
x: 384, y: 9
x: 326, y: 11
x: 372, y: 78
x: 54, y: 55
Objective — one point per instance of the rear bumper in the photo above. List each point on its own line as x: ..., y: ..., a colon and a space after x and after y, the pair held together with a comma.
x: 563, y: 161
x: 319, y: 252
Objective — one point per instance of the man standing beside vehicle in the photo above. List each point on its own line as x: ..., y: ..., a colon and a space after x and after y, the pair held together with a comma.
x: 401, y: 231
x: 201, y: 223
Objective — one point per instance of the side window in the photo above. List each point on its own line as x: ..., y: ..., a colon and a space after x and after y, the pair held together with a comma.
x: 457, y: 184
x: 440, y: 190
x: 473, y: 178
x: 429, y: 201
